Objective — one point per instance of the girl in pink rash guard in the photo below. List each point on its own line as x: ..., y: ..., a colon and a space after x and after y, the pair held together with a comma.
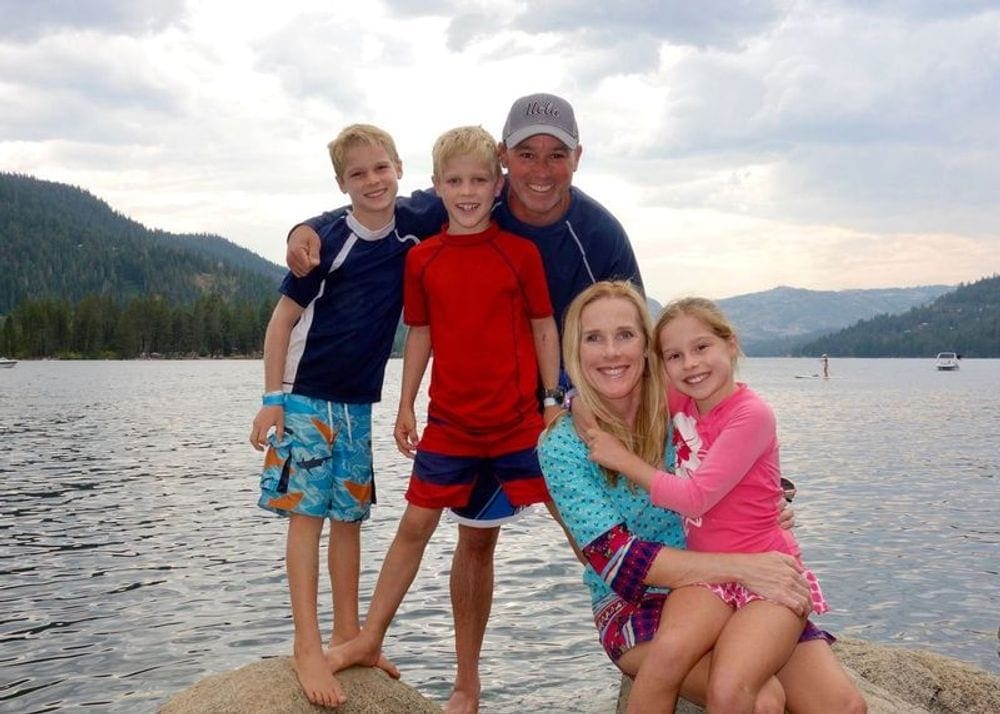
x: 727, y: 487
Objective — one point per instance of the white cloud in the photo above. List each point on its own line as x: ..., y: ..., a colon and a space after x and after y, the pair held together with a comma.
x: 743, y: 145
x: 29, y: 20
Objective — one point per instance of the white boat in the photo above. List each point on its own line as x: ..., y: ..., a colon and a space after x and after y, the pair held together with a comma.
x: 7, y: 363
x: 946, y: 361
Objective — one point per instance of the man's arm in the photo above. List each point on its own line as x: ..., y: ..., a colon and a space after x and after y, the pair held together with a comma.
x: 547, y: 353
x: 607, y: 238
x: 626, y: 265
x: 622, y: 264
x: 421, y: 214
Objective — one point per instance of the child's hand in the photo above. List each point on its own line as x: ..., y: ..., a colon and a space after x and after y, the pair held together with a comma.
x: 405, y: 433
x: 266, y: 419
x: 607, y: 450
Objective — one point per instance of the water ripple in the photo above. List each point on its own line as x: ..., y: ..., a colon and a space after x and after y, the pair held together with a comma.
x: 134, y: 557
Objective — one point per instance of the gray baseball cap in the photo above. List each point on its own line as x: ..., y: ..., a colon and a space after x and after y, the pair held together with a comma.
x: 541, y: 114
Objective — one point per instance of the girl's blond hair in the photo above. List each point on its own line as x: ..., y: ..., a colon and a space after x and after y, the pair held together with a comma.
x: 646, y: 438
x: 703, y: 310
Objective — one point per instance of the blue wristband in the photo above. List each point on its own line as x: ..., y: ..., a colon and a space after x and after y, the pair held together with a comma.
x: 273, y: 399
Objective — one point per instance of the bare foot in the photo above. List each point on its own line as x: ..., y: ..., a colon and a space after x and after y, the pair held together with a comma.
x: 386, y: 665
x: 361, y: 650
x: 462, y: 702
x: 318, y: 682
x: 383, y: 663
x: 357, y: 651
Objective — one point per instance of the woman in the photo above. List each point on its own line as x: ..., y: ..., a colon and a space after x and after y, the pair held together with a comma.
x: 635, y: 550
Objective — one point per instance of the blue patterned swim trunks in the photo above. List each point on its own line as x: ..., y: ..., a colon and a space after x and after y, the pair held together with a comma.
x: 322, y: 467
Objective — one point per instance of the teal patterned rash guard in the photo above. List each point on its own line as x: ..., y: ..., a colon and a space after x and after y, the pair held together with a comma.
x: 617, y: 527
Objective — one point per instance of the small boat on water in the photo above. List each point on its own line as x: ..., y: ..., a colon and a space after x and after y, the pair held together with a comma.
x: 946, y: 361
x: 7, y: 363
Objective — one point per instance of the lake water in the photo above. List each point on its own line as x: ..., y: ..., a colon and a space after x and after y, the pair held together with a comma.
x: 135, y: 562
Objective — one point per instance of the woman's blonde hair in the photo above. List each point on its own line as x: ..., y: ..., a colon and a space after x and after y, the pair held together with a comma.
x: 703, y: 310
x: 646, y: 438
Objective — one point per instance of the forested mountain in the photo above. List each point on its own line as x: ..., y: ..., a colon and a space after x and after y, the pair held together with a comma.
x: 966, y: 321
x: 58, y: 241
x: 780, y: 320
x: 78, y: 279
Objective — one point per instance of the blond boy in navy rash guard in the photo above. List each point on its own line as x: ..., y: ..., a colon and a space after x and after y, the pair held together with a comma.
x: 325, y: 353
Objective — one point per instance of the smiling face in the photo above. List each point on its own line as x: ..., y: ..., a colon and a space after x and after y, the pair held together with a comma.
x: 612, y: 353
x: 371, y: 179
x: 467, y: 187
x: 540, y: 170
x: 698, y: 363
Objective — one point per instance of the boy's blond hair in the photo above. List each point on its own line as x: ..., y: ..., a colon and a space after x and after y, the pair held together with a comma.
x: 471, y: 141
x: 648, y: 435
x: 360, y: 135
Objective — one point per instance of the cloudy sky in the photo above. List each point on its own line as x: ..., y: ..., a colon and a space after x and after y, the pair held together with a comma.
x: 744, y: 145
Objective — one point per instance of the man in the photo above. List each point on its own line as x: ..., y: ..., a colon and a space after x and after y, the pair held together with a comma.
x: 580, y: 243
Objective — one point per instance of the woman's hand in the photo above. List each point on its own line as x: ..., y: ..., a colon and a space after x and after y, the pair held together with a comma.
x: 776, y: 577
x: 786, y: 515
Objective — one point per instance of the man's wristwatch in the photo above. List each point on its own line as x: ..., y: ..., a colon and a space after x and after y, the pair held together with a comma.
x: 553, y: 397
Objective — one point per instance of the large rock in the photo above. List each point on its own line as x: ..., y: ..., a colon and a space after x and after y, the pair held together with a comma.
x: 927, y: 680
x: 270, y: 687
x: 896, y: 680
